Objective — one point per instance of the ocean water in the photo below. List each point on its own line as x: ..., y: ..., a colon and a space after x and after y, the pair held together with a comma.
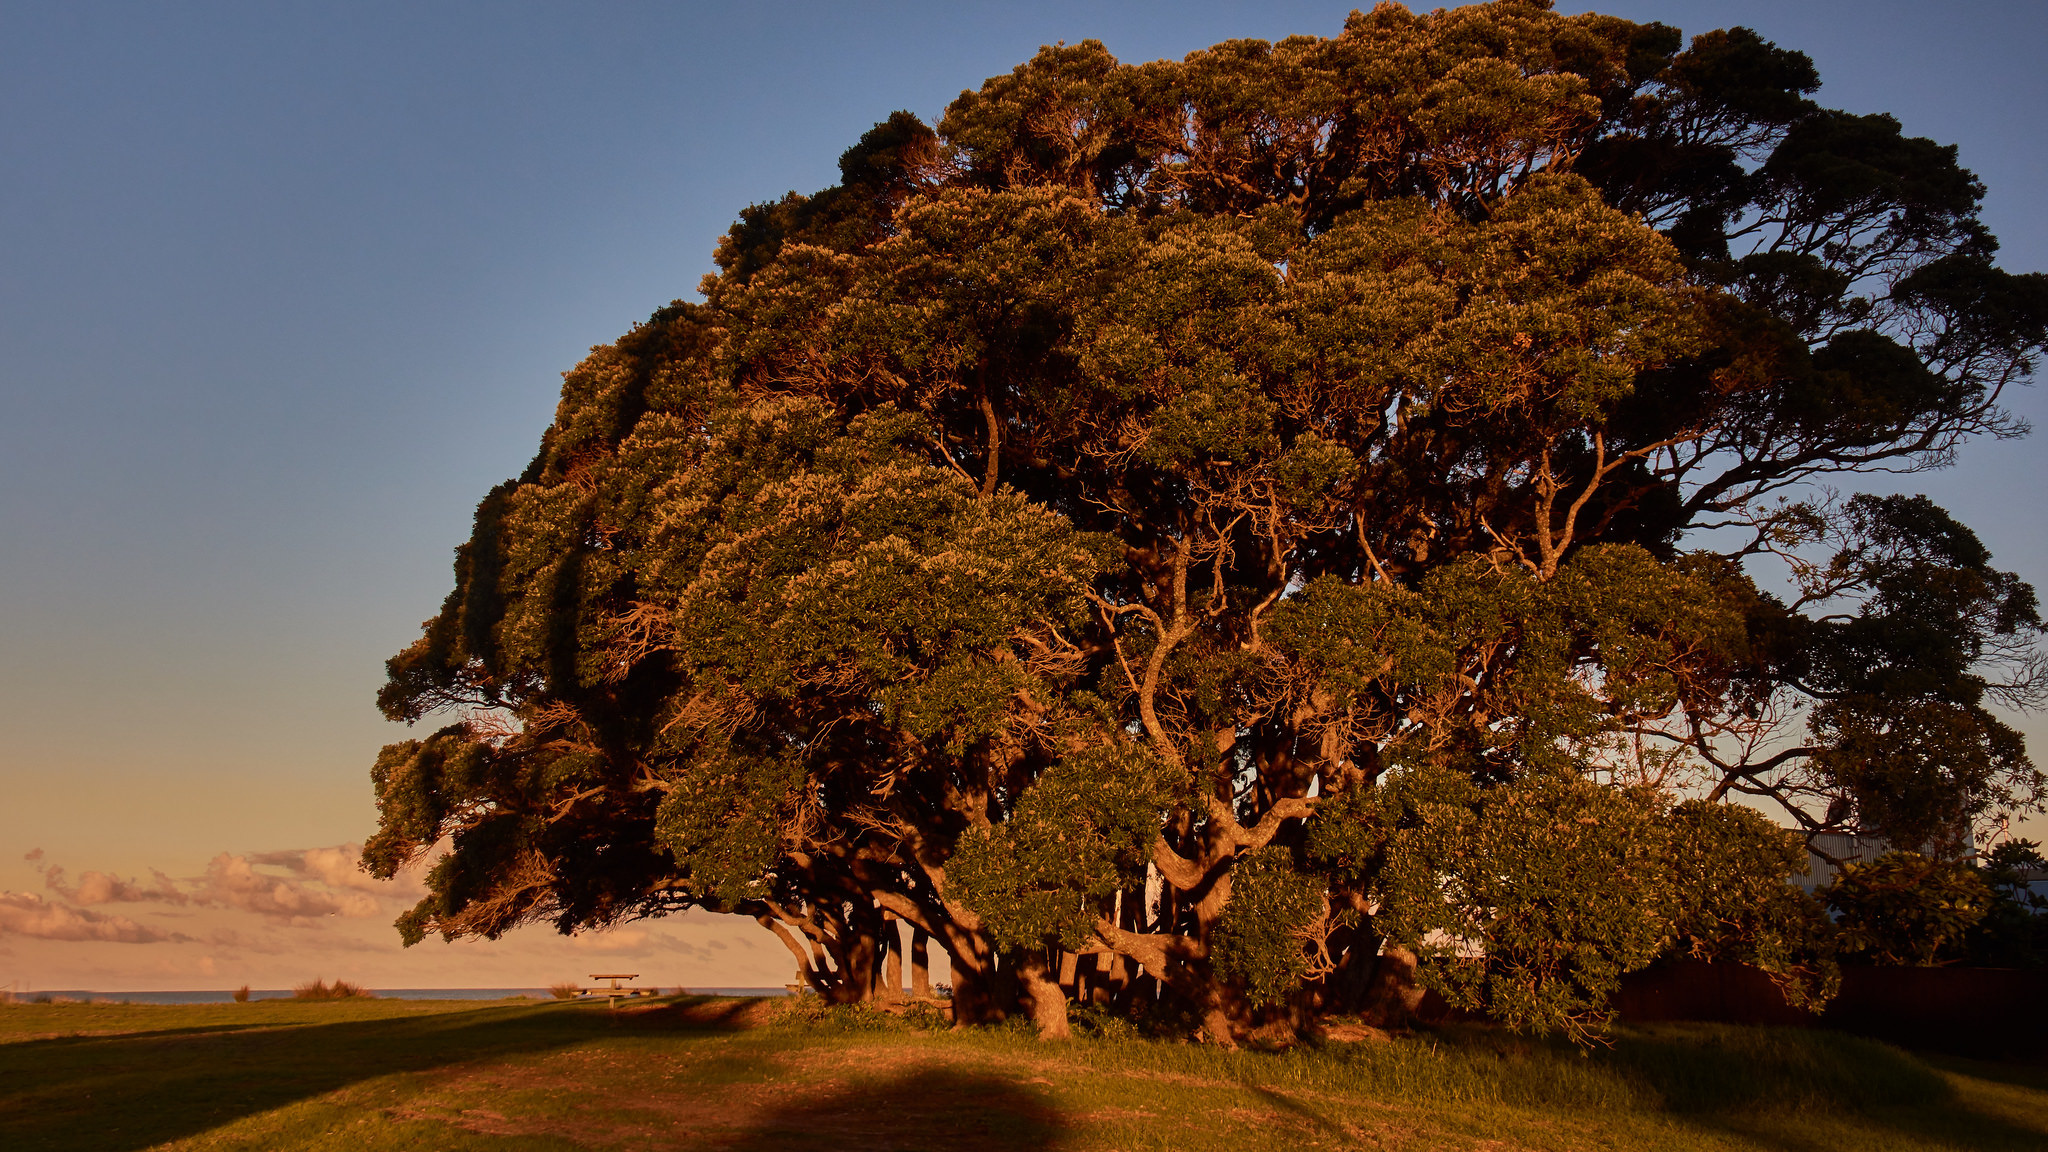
x: 225, y: 996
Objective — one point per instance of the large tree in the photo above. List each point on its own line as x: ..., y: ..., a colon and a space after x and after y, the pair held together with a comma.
x: 1213, y: 536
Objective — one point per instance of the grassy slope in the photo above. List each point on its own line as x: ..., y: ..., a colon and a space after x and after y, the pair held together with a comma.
x: 456, y: 1075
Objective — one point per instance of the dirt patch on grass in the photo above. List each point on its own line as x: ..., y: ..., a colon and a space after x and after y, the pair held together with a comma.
x: 1351, y: 1032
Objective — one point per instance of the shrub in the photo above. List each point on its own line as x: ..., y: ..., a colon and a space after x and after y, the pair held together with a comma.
x: 1904, y: 908
x: 339, y: 990
x: 2014, y: 933
x: 817, y: 1014
x: 925, y: 1016
x: 565, y: 991
x: 1096, y: 1022
x: 242, y: 994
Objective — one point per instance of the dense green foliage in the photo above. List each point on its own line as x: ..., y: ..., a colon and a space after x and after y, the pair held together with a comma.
x: 1903, y: 908
x: 1202, y: 526
x: 1909, y: 909
x: 2014, y: 932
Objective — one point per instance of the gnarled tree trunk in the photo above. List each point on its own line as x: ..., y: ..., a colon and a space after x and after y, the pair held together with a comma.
x: 920, y: 964
x: 892, y: 958
x: 1393, y: 996
x: 1046, y: 999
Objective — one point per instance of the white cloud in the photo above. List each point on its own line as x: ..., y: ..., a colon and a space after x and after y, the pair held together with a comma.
x: 27, y: 914
x: 233, y: 881
x: 301, y: 885
x: 338, y: 868
x: 615, y: 940
x: 105, y: 888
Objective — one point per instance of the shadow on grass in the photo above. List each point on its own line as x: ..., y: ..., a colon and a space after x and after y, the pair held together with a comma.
x: 130, y: 1091
x: 79, y: 1035
x: 1786, y: 1089
x: 1281, y: 1102
x: 698, y: 1013
x: 1760, y: 1082
x: 2030, y: 1072
x: 928, y: 1109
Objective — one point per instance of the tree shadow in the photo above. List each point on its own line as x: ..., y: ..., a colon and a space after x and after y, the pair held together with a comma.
x: 702, y: 1013
x: 128, y: 1091
x: 927, y: 1109
x: 1307, y: 1115
x: 1747, y: 1081
x: 1954, y: 1127
x: 2019, y: 1073
x: 54, y: 1035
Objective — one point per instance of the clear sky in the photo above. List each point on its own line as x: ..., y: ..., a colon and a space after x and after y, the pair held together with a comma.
x: 285, y: 288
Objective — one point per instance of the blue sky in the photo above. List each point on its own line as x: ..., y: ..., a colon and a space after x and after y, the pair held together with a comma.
x: 284, y: 288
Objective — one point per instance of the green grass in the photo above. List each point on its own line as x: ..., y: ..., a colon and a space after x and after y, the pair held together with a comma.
x: 379, y: 1074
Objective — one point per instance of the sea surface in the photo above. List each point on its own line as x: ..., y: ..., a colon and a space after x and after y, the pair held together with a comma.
x: 225, y: 996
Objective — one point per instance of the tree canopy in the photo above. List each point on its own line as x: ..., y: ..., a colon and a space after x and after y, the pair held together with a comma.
x: 1193, y: 535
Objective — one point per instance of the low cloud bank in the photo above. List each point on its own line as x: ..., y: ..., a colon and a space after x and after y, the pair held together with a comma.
x: 233, y: 882
x: 271, y: 919
x: 27, y: 914
x: 294, y: 886
x: 104, y: 888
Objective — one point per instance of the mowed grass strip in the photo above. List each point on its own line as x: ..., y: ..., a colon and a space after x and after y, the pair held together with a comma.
x: 724, y: 1074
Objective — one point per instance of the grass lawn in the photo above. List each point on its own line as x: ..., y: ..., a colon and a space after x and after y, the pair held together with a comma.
x: 719, y: 1074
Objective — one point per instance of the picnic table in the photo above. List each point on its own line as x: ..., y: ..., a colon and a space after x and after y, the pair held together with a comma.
x: 615, y: 989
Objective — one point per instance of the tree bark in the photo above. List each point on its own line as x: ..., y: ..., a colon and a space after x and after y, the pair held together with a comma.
x: 858, y: 967
x: 1344, y: 990
x: 920, y: 964
x: 1047, y: 1001
x: 1126, y: 989
x: 892, y: 958
x: 1393, y: 996
x: 1217, y: 1022
x: 983, y: 993
x: 1143, y: 989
